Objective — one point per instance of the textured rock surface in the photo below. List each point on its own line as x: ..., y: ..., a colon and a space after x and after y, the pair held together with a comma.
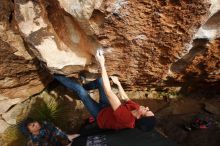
x: 20, y: 75
x: 3, y: 126
x: 16, y: 112
x: 210, y: 29
x: 80, y: 9
x: 146, y: 42
x: 6, y: 104
x: 201, y: 63
x: 53, y: 35
x: 152, y: 37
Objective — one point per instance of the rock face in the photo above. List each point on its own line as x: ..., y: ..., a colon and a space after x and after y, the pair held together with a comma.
x: 20, y: 73
x: 149, y: 36
x: 146, y: 43
x: 160, y: 41
x: 54, y: 36
x: 3, y: 126
x: 201, y: 63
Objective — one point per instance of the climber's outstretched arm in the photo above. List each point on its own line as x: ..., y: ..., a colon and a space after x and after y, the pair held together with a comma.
x: 113, y: 99
x: 122, y: 93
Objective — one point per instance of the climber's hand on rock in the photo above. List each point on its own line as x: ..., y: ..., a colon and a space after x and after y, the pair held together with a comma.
x: 100, y: 57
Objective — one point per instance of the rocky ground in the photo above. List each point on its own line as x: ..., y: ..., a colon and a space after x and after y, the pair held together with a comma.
x: 174, y: 115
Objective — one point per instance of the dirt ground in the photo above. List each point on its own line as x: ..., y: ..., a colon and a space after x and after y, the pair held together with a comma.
x: 174, y: 114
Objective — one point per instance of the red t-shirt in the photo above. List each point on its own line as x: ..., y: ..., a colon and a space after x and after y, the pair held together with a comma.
x: 120, y: 118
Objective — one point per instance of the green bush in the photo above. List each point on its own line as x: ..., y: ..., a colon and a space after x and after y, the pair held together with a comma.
x: 13, y: 137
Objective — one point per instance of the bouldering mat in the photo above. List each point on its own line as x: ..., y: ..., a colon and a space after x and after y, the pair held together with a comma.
x: 126, y: 137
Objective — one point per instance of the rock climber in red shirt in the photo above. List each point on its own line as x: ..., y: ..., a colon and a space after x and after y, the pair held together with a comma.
x: 110, y: 112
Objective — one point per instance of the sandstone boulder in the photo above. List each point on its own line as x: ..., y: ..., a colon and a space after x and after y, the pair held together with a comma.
x: 3, y: 126
x: 20, y: 73
x: 146, y: 43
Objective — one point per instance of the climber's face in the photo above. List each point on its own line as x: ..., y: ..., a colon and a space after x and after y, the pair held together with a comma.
x: 144, y: 112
